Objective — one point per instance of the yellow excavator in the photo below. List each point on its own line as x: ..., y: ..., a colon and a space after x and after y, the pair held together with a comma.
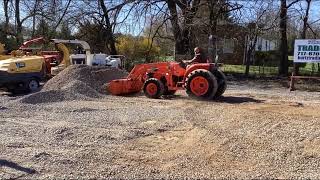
x: 22, y: 71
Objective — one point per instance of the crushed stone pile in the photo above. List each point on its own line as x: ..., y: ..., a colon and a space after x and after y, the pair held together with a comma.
x: 77, y: 82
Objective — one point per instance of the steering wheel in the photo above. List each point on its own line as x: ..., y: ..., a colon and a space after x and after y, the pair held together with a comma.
x: 182, y: 64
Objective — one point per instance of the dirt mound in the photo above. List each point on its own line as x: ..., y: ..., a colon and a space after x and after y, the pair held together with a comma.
x: 77, y: 82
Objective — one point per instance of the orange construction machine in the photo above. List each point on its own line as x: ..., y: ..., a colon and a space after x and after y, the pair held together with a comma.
x: 201, y: 80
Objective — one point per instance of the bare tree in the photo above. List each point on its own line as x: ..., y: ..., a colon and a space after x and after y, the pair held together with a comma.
x: 109, y: 33
x: 182, y: 31
x: 218, y: 10
x: 19, y: 22
x: 28, y: 13
x: 303, y: 33
x: 6, y: 15
x: 259, y: 24
x: 283, y: 67
x: 101, y: 19
x: 251, y: 41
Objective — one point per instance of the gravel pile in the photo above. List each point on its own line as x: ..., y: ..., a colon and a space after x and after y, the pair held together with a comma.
x: 93, y: 76
x: 77, y: 82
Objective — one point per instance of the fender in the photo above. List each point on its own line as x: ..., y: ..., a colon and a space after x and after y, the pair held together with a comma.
x: 207, y: 66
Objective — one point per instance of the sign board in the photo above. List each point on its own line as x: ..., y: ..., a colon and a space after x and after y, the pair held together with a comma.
x: 307, y: 50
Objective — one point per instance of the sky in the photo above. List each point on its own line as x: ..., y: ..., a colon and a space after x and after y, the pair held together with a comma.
x: 135, y: 27
x: 314, y: 9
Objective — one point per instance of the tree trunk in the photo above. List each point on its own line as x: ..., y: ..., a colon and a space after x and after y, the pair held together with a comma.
x: 305, y: 20
x: 33, y: 25
x: 62, y: 16
x: 248, y: 63
x: 283, y: 67
x: 6, y: 15
x: 110, y: 38
x: 179, y: 45
x: 213, y: 22
x: 250, y: 51
x: 183, y: 34
x: 19, y: 37
x: 34, y: 18
x: 303, y: 33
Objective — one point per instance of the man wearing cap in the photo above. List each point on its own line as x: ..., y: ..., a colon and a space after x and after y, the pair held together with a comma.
x: 198, y: 57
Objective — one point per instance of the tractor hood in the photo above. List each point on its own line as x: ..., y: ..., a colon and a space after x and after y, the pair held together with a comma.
x: 24, y: 64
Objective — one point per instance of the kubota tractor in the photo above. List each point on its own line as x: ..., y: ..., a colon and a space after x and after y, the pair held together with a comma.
x: 201, y: 80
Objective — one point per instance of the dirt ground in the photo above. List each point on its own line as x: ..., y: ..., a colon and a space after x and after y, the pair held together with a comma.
x: 257, y: 130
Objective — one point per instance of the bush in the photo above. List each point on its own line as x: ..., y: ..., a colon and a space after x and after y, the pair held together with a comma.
x: 136, y: 49
x: 270, y: 58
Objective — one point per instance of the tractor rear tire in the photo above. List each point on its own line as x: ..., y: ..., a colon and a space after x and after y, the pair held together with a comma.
x: 153, y: 88
x: 222, y: 83
x: 201, y: 84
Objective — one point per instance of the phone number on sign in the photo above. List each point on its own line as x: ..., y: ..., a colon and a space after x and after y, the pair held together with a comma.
x: 314, y: 42
x: 308, y: 53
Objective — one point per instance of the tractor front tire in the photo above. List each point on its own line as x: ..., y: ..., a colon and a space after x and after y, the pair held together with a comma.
x: 201, y: 84
x: 153, y: 88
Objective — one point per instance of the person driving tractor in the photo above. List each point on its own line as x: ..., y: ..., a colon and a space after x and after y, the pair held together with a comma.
x: 198, y: 57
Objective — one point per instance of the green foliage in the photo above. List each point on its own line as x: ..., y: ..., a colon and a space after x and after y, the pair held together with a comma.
x: 261, y: 56
x: 270, y: 58
x: 137, y: 49
x: 10, y: 43
x: 291, y: 44
x: 309, y: 69
x: 64, y: 32
x: 162, y: 37
x: 43, y: 29
x: 239, y: 69
x: 94, y: 34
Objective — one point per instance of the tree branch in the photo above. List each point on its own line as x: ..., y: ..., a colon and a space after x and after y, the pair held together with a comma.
x: 292, y: 3
x: 62, y: 16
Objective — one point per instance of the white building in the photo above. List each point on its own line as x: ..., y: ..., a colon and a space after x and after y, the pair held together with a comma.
x: 265, y: 45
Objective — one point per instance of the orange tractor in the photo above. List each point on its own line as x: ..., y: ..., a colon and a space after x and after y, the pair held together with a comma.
x: 201, y: 80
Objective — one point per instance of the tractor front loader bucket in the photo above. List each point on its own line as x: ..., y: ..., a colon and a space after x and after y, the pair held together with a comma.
x: 124, y: 86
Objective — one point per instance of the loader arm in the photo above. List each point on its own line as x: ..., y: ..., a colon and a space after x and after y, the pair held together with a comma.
x: 135, y: 80
x: 137, y: 72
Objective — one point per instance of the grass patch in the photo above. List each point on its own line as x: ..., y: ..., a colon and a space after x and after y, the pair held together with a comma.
x: 269, y: 70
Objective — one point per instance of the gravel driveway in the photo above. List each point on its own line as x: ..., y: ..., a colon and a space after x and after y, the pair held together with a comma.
x: 257, y: 130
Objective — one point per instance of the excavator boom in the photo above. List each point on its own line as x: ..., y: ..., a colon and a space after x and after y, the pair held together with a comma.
x: 26, y: 44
